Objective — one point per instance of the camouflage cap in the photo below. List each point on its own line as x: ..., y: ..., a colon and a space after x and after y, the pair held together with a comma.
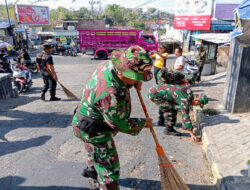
x: 203, y: 100
x: 134, y: 64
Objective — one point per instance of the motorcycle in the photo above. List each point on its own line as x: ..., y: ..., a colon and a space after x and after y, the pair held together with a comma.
x: 21, y: 77
x: 31, y: 65
x: 5, y: 64
x: 191, y: 70
x: 70, y: 51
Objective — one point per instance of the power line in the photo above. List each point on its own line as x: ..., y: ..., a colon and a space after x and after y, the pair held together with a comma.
x: 147, y: 2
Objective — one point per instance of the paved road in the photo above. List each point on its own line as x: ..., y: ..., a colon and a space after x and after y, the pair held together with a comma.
x: 39, y: 151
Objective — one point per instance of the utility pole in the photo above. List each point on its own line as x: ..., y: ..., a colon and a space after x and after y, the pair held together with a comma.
x: 92, y: 3
x: 15, y: 19
x: 158, y: 23
x: 8, y: 14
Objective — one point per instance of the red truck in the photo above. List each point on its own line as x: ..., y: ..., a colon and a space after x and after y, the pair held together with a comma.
x: 101, y: 43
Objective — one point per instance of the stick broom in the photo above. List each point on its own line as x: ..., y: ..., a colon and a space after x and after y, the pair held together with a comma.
x: 170, y: 179
x: 66, y: 91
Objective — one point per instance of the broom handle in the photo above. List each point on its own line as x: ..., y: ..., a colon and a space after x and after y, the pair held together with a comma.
x: 47, y: 69
x: 147, y: 116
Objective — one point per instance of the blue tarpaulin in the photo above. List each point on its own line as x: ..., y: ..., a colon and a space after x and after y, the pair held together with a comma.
x: 242, y: 19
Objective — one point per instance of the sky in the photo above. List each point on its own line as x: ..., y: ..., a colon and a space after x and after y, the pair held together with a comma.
x: 165, y: 5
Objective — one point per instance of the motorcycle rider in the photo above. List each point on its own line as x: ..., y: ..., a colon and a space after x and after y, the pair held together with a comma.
x: 26, y: 57
x: 45, y: 65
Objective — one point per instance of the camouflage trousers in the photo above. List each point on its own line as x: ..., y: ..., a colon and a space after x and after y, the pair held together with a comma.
x: 169, y: 112
x: 102, y: 155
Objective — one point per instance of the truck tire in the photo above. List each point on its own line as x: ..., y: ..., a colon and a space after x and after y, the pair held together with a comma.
x: 102, y: 55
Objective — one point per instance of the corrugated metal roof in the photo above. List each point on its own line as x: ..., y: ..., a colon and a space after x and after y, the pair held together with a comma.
x: 225, y: 11
x: 217, y: 38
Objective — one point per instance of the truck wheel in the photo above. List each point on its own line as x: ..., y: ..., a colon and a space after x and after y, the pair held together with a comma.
x: 102, y: 55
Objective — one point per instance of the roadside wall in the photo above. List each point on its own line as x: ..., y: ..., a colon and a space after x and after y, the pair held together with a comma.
x: 6, y: 90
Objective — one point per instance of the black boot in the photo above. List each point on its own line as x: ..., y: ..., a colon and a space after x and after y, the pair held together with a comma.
x: 171, y: 131
x: 89, y: 173
x: 42, y: 97
x: 161, y: 120
x: 54, y: 99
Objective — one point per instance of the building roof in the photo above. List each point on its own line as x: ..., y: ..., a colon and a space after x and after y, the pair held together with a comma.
x: 59, y: 33
x: 216, y: 38
x: 225, y: 11
x: 4, y: 23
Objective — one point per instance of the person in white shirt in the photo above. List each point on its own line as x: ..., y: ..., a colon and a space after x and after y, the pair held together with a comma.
x: 180, y: 61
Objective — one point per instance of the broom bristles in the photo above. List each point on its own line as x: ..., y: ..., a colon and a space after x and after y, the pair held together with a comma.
x: 170, y: 179
x: 67, y: 92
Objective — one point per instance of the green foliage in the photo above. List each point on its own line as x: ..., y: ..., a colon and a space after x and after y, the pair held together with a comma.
x: 114, y: 15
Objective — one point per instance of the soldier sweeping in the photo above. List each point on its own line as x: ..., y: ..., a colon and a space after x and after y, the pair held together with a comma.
x: 166, y: 76
x: 105, y: 109
x: 169, y: 98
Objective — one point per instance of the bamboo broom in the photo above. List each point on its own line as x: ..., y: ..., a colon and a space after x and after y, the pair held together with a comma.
x: 170, y: 179
x: 66, y: 91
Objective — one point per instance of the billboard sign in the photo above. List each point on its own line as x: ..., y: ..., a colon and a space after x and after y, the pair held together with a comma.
x: 193, y: 14
x: 35, y: 15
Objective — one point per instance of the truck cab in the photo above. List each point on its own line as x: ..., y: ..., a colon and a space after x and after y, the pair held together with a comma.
x: 148, y: 42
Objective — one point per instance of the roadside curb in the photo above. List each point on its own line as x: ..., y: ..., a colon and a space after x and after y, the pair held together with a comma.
x: 208, y: 146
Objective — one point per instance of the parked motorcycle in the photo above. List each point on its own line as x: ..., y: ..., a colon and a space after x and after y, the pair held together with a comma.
x: 5, y: 64
x: 21, y: 77
x: 32, y: 66
x: 191, y: 70
x: 71, y: 52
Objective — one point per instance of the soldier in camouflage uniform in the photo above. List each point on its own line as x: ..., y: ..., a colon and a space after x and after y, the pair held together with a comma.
x: 201, y: 59
x: 169, y: 97
x: 105, y: 109
x: 166, y: 76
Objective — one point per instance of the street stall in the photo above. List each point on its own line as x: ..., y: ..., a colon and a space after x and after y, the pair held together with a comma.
x: 211, y: 42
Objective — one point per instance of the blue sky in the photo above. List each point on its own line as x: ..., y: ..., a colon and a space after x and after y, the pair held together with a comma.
x: 167, y: 5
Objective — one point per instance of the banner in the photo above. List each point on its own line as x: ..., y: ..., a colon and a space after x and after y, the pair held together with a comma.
x: 193, y: 14
x: 36, y: 15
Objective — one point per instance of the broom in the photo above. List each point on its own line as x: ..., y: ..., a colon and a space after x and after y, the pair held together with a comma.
x: 66, y: 91
x: 170, y: 179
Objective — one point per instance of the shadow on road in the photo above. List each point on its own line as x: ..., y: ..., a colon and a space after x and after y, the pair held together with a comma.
x: 13, y: 182
x: 22, y: 119
x: 12, y: 103
x: 144, y: 184
x: 219, y: 119
x: 15, y: 146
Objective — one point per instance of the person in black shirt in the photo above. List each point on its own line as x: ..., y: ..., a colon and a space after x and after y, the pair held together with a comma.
x: 45, y: 65
x: 26, y: 57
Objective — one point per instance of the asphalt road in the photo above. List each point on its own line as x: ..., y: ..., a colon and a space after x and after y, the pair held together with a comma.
x: 39, y: 151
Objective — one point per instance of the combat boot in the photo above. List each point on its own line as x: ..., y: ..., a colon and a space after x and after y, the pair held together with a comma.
x: 42, y: 97
x: 90, y: 172
x: 161, y: 120
x: 171, y: 131
x: 54, y: 99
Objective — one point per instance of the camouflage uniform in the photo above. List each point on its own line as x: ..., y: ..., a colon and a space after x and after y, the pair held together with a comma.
x: 166, y: 76
x: 169, y: 98
x: 201, y: 60
x: 106, y: 99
